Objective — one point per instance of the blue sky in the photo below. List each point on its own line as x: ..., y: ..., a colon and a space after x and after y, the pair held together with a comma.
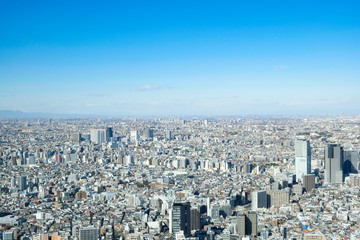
x: 180, y: 57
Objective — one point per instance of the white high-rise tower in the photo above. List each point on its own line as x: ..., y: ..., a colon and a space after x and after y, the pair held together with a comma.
x: 302, y: 158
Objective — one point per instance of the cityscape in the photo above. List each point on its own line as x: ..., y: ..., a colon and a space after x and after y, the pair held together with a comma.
x: 179, y: 178
x: 179, y: 120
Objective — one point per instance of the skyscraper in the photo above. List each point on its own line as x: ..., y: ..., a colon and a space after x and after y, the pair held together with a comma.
x: 334, y: 158
x: 148, y: 133
x: 246, y: 224
x: 75, y: 137
x: 302, y: 158
x: 134, y: 135
x: 278, y: 198
x: 168, y: 135
x: 180, y: 218
x: 22, y: 183
x: 351, y: 162
x: 258, y: 200
x: 109, y: 133
x: 195, y: 219
x: 208, y: 205
x: 98, y: 136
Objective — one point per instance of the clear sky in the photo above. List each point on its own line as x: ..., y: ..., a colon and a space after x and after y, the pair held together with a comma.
x: 180, y: 57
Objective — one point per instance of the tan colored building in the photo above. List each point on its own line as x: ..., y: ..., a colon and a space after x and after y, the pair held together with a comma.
x: 314, y: 237
x: 56, y: 236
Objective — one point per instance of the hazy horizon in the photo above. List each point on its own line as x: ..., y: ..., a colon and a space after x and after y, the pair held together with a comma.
x: 180, y: 58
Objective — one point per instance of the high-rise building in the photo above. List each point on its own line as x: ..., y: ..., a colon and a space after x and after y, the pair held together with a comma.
x: 13, y: 182
x: 75, y: 137
x: 58, y: 158
x: 284, y: 233
x: 168, y: 135
x: 88, y: 233
x: 258, y: 200
x: 248, y: 167
x: 81, y: 195
x: 215, y: 211
x: 278, y: 198
x: 246, y: 223
x: 148, y: 133
x: 351, y: 162
x: 354, y: 180
x: 195, y: 219
x: 129, y: 160
x: 240, y: 224
x: 22, y: 183
x: 302, y: 158
x: 134, y: 135
x: 334, y: 159
x: 208, y: 206
x: 309, y: 182
x: 98, y: 136
x: 109, y: 133
x: 180, y: 218
x: 298, y: 189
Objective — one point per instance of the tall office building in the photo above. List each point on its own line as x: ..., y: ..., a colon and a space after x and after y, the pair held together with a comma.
x: 109, y: 133
x: 75, y: 137
x: 248, y: 167
x: 258, y: 200
x: 247, y: 224
x: 22, y: 183
x: 195, y: 219
x: 309, y: 182
x: 180, y: 218
x: 13, y: 182
x: 168, y: 135
x: 98, y: 136
x: 208, y: 206
x: 148, y: 133
x: 351, y: 162
x: 334, y: 158
x: 297, y: 189
x: 215, y: 211
x: 278, y: 198
x: 134, y: 135
x: 88, y: 233
x: 302, y: 158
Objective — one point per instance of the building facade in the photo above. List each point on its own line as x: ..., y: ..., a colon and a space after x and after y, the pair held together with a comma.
x: 180, y: 218
x: 334, y: 159
x: 302, y: 158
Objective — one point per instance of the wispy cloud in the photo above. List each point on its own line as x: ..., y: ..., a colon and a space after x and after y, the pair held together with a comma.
x: 281, y: 67
x: 95, y: 94
x: 147, y: 88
